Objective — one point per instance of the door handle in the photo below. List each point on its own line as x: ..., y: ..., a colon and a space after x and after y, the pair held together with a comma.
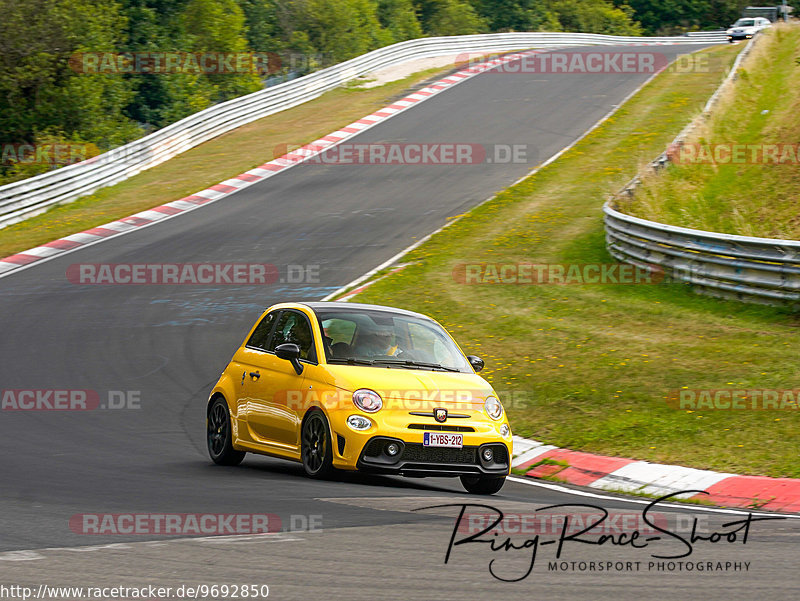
x: 255, y: 375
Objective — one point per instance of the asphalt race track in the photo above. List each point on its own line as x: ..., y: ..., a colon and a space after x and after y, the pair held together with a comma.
x: 164, y: 345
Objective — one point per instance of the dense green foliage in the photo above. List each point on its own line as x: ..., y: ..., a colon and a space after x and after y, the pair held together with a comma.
x: 46, y: 96
x: 667, y: 17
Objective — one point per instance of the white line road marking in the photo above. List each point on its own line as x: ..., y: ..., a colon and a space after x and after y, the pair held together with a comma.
x: 236, y: 539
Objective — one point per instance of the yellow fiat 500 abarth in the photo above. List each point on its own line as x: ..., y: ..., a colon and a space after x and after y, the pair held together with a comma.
x: 359, y: 387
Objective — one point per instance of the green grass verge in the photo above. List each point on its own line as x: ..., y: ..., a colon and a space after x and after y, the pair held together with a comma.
x: 740, y: 198
x: 210, y: 163
x: 589, y: 367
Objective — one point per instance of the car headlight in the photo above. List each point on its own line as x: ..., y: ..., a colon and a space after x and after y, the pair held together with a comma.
x: 367, y: 400
x: 493, y: 408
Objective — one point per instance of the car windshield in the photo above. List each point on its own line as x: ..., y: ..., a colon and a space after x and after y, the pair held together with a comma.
x: 381, y: 338
x: 744, y: 23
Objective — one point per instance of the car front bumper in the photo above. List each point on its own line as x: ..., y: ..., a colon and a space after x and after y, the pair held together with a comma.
x: 416, y: 460
x: 352, y: 449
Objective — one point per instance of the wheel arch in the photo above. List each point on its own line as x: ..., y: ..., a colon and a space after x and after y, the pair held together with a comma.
x: 225, y: 389
x: 214, y: 396
x: 315, y: 409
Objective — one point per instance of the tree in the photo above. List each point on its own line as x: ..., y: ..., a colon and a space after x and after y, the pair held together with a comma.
x: 400, y: 19
x: 39, y: 92
x: 342, y: 29
x: 219, y: 26
x: 512, y: 15
x: 151, y: 27
x: 456, y: 17
x: 594, y: 16
x: 667, y: 17
x: 186, y: 26
x: 263, y: 29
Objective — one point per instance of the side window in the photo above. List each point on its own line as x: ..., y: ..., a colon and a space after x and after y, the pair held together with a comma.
x: 261, y: 333
x: 294, y: 327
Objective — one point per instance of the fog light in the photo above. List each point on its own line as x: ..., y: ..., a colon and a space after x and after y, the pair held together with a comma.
x: 359, y: 422
x: 488, y: 455
x: 392, y: 449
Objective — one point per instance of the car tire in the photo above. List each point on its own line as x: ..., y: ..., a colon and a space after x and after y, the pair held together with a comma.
x: 219, y: 436
x: 315, y: 446
x: 482, y: 486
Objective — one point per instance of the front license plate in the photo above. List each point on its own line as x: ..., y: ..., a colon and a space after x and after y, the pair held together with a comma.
x: 434, y: 439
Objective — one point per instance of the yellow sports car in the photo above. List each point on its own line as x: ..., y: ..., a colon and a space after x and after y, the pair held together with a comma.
x: 359, y: 387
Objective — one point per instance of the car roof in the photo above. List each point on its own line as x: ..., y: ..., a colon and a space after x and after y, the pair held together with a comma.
x: 315, y: 306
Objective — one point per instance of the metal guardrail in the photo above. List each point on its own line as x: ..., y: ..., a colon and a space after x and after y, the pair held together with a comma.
x: 749, y: 269
x: 23, y: 199
x: 696, y: 34
x: 757, y: 270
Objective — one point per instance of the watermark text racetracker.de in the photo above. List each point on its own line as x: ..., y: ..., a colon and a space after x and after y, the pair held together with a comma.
x: 54, y: 154
x: 732, y: 399
x: 407, y: 153
x: 299, y: 400
x: 549, y: 523
x: 166, y: 63
x: 593, y: 62
x: 192, y: 274
x: 64, y: 399
x: 191, y: 524
x: 734, y: 154
x: 556, y: 273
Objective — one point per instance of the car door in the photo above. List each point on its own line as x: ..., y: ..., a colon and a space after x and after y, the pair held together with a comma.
x: 244, y: 370
x: 274, y: 389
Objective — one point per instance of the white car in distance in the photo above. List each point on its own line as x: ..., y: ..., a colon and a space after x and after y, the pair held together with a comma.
x: 746, y: 27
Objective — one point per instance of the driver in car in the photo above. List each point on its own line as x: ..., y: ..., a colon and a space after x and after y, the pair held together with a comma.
x: 377, y: 342
x: 300, y: 335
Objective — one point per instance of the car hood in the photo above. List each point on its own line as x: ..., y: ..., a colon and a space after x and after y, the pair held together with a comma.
x: 417, y: 387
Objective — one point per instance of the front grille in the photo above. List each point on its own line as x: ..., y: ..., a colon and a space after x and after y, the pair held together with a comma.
x: 441, y: 428
x: 420, y: 454
x: 430, y: 414
x: 375, y: 447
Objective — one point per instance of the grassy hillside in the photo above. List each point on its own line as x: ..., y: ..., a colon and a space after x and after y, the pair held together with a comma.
x: 741, y: 171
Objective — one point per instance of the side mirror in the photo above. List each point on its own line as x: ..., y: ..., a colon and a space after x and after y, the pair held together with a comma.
x: 290, y: 352
x: 475, y: 362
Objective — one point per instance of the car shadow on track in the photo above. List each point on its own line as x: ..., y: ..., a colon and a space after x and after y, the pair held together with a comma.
x: 292, y: 470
